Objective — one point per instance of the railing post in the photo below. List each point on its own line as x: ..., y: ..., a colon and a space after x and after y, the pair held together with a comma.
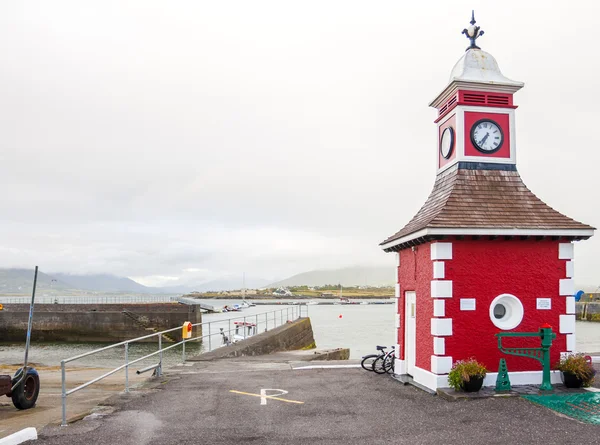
x: 64, y: 393
x: 546, y: 336
x: 256, y: 324
x: 209, y: 340
x: 183, y: 351
x: 244, y: 328
x: 126, y: 367
x: 159, y: 369
x: 229, y: 333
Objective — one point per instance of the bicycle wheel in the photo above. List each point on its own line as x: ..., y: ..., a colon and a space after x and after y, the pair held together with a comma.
x: 367, y: 362
x: 388, y: 363
x: 378, y: 365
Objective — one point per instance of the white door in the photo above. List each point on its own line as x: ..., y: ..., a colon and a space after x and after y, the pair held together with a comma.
x: 410, y: 333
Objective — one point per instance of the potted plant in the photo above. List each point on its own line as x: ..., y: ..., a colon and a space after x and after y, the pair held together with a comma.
x: 467, y: 375
x: 577, y: 370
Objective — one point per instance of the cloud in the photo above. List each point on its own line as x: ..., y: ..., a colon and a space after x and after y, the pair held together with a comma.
x: 198, y: 140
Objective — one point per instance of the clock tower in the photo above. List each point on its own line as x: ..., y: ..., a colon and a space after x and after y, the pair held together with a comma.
x: 476, y: 114
x: 483, y: 254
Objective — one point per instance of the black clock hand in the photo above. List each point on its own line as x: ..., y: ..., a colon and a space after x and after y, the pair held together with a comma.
x: 481, y: 142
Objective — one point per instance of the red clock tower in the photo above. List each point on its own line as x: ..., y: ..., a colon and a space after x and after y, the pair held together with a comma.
x: 484, y: 254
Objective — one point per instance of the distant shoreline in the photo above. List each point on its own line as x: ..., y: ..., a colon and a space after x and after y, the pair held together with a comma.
x: 291, y: 297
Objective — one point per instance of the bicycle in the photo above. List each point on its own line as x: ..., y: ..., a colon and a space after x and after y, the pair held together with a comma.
x: 369, y: 360
x: 385, y: 362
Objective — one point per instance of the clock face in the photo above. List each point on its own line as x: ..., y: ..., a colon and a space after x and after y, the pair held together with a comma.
x: 447, y: 142
x: 487, y: 136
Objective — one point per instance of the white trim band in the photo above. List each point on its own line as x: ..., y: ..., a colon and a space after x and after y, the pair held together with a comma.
x: 570, y: 342
x: 566, y: 287
x: 441, y: 289
x: 570, y: 303
x: 441, y: 365
x: 439, y: 345
x: 565, y: 251
x: 489, y: 232
x: 439, y: 308
x: 441, y: 251
x: 566, y: 324
x: 570, y: 266
x: 399, y: 366
x: 439, y: 270
x: 441, y: 327
x: 433, y: 381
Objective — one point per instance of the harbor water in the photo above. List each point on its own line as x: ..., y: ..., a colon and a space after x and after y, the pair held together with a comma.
x: 359, y: 327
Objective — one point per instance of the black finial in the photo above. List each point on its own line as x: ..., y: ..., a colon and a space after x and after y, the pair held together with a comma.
x: 472, y: 32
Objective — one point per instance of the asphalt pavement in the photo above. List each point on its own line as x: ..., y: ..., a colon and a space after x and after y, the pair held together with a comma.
x: 220, y: 403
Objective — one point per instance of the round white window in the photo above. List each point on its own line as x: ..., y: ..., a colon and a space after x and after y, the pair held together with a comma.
x: 506, y: 312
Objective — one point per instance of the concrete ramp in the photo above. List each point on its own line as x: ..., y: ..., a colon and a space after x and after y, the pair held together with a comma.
x: 292, y: 336
x: 194, y: 302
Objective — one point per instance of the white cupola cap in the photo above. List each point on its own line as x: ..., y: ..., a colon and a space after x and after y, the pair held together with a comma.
x: 476, y: 70
x: 478, y: 66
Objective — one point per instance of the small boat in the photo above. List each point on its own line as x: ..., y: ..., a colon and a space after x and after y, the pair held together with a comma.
x: 241, y: 325
x: 238, y: 336
x: 310, y: 303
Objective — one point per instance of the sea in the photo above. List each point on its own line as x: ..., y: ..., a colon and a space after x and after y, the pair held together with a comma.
x: 360, y: 327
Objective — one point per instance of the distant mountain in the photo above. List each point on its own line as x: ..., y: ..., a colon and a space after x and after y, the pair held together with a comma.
x: 231, y: 283
x: 104, y: 283
x: 20, y: 281
x: 350, y: 276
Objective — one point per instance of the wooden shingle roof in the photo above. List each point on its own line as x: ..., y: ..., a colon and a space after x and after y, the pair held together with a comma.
x: 476, y: 198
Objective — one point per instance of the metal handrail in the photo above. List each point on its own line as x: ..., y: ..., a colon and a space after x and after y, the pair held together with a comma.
x: 296, y: 312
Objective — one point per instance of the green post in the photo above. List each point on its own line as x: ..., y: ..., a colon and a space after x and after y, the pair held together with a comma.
x: 547, y: 336
x: 502, y: 381
x: 542, y: 354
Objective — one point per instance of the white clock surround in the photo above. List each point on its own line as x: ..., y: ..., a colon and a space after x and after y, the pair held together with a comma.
x: 461, y: 135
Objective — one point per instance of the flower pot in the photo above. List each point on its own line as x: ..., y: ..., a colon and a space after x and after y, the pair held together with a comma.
x: 571, y: 380
x: 474, y: 384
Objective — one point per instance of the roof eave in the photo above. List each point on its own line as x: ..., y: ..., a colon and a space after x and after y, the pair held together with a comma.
x: 434, y: 231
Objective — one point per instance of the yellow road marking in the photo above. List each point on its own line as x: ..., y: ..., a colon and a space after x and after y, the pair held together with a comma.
x: 266, y: 397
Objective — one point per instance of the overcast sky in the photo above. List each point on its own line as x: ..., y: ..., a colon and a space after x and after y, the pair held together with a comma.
x: 183, y: 141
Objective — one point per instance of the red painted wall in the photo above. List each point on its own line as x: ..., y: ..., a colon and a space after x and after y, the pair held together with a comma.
x: 501, y: 119
x: 484, y: 269
x: 415, y: 274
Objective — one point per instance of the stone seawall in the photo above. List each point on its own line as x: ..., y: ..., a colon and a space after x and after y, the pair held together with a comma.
x: 94, y: 322
x: 289, y: 337
x: 589, y: 311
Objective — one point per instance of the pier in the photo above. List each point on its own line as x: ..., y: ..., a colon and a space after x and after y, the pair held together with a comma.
x: 268, y: 401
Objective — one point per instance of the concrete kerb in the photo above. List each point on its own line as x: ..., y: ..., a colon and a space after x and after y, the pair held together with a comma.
x: 20, y: 436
